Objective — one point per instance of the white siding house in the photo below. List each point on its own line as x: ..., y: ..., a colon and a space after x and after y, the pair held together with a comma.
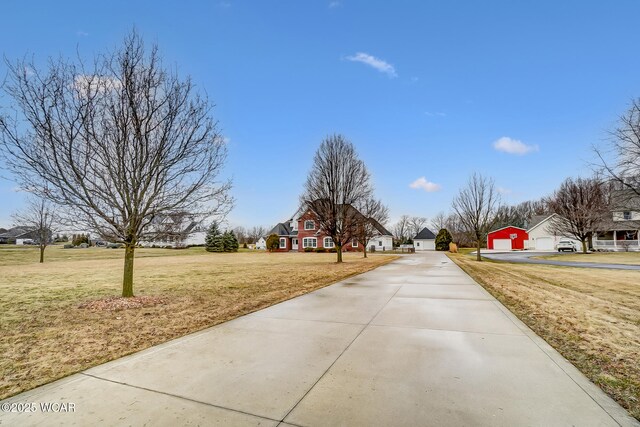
x: 542, y: 237
x: 381, y: 243
x: 425, y: 240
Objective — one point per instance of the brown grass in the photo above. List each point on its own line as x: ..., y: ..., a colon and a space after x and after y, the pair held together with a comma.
x: 591, y: 316
x: 46, y: 334
x: 630, y: 258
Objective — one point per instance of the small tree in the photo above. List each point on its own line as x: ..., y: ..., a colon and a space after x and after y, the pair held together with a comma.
x: 38, y: 215
x: 213, y: 240
x: 229, y: 242
x: 443, y: 239
x: 273, y: 242
x: 374, y: 214
x: 476, y: 206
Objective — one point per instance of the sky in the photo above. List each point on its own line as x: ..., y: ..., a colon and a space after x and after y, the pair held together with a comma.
x: 427, y: 91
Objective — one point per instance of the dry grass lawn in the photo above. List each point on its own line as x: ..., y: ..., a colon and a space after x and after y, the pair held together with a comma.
x: 591, y: 316
x: 46, y: 335
x: 631, y: 258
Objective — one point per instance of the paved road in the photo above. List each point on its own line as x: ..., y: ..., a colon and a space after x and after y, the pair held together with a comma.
x: 416, y: 342
x: 526, y: 258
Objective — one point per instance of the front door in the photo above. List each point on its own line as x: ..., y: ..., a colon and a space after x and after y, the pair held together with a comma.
x: 294, y: 244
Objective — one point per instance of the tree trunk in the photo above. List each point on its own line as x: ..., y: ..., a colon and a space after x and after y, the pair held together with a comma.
x: 339, y: 252
x: 478, y: 257
x: 590, y: 240
x: 42, y: 253
x: 584, y: 245
x: 127, y: 281
x: 365, y: 251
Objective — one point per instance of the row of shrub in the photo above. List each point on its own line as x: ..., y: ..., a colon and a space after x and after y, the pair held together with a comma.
x: 321, y: 250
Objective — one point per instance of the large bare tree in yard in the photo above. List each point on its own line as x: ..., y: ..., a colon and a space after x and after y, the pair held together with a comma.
x: 621, y: 161
x: 476, y: 206
x: 580, y: 205
x: 374, y: 215
x: 39, y: 215
x: 337, y: 182
x: 120, y: 143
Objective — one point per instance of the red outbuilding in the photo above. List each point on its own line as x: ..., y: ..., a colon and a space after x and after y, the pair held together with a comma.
x: 507, y: 238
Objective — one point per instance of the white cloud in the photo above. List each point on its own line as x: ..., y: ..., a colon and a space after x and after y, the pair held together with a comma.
x: 334, y: 4
x: 514, y: 146
x: 372, y: 61
x: 422, y: 184
x: 81, y: 33
x: 504, y: 191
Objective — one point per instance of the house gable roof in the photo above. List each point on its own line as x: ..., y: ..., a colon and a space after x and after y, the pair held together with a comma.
x: 425, y: 234
x: 539, y: 219
x: 508, y: 226
x: 281, y: 229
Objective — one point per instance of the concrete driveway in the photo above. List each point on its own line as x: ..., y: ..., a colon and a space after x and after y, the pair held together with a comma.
x: 415, y: 342
x: 527, y: 258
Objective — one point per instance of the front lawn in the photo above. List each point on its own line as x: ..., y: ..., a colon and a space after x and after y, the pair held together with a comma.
x: 46, y: 334
x: 630, y: 258
x: 591, y: 316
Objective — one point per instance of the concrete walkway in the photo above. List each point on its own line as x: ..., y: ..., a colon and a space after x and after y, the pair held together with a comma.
x: 416, y: 342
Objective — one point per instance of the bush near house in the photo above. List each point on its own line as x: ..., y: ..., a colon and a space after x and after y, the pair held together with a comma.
x: 443, y: 239
x: 273, y: 242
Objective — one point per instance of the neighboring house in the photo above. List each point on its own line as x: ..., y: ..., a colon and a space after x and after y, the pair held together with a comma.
x: 303, y: 231
x: 261, y: 243
x: 425, y: 240
x: 620, y: 232
x: 541, y: 234
x: 507, y: 238
x: 176, y: 230
x: 18, y: 235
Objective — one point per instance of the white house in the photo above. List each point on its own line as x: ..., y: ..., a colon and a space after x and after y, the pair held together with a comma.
x: 177, y: 230
x: 542, y: 237
x: 620, y: 232
x: 425, y: 240
x: 261, y: 244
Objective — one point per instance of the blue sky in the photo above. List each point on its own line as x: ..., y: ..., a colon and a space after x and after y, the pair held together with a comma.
x: 427, y: 91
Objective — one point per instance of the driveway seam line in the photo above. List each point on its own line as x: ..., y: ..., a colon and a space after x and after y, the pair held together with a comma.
x: 343, y: 351
x: 177, y: 396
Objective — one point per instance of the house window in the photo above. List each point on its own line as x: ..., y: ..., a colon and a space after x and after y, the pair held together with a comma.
x: 309, y: 225
x: 418, y: 244
x: 328, y: 242
x: 283, y: 243
x: 354, y: 243
x: 379, y: 242
x: 626, y: 215
x: 309, y: 242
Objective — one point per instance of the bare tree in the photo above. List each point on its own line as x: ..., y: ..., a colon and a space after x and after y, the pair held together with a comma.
x: 374, y: 215
x: 476, y: 206
x: 416, y: 224
x: 337, y: 182
x: 255, y: 233
x: 459, y: 233
x: 122, y: 143
x: 401, y: 229
x: 40, y: 216
x: 624, y: 147
x: 439, y: 221
x: 580, y: 205
x: 241, y: 234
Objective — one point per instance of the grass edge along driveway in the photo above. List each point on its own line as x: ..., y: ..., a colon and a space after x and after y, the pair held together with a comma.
x: 590, y: 316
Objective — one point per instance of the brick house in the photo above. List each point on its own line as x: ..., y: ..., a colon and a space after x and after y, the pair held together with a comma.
x: 303, y: 231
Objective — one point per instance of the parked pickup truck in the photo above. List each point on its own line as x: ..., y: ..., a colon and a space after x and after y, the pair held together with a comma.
x: 566, y: 245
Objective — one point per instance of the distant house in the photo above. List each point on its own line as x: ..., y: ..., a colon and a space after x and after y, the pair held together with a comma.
x: 177, y: 230
x: 261, y: 243
x: 507, y: 238
x: 541, y: 234
x: 303, y: 230
x: 18, y: 235
x: 425, y: 240
x: 620, y: 232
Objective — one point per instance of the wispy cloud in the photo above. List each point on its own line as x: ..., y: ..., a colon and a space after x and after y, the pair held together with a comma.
x: 224, y: 4
x: 514, y: 146
x: 81, y: 33
x: 504, y: 191
x: 334, y: 4
x: 435, y: 114
x: 372, y: 61
x: 422, y: 184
